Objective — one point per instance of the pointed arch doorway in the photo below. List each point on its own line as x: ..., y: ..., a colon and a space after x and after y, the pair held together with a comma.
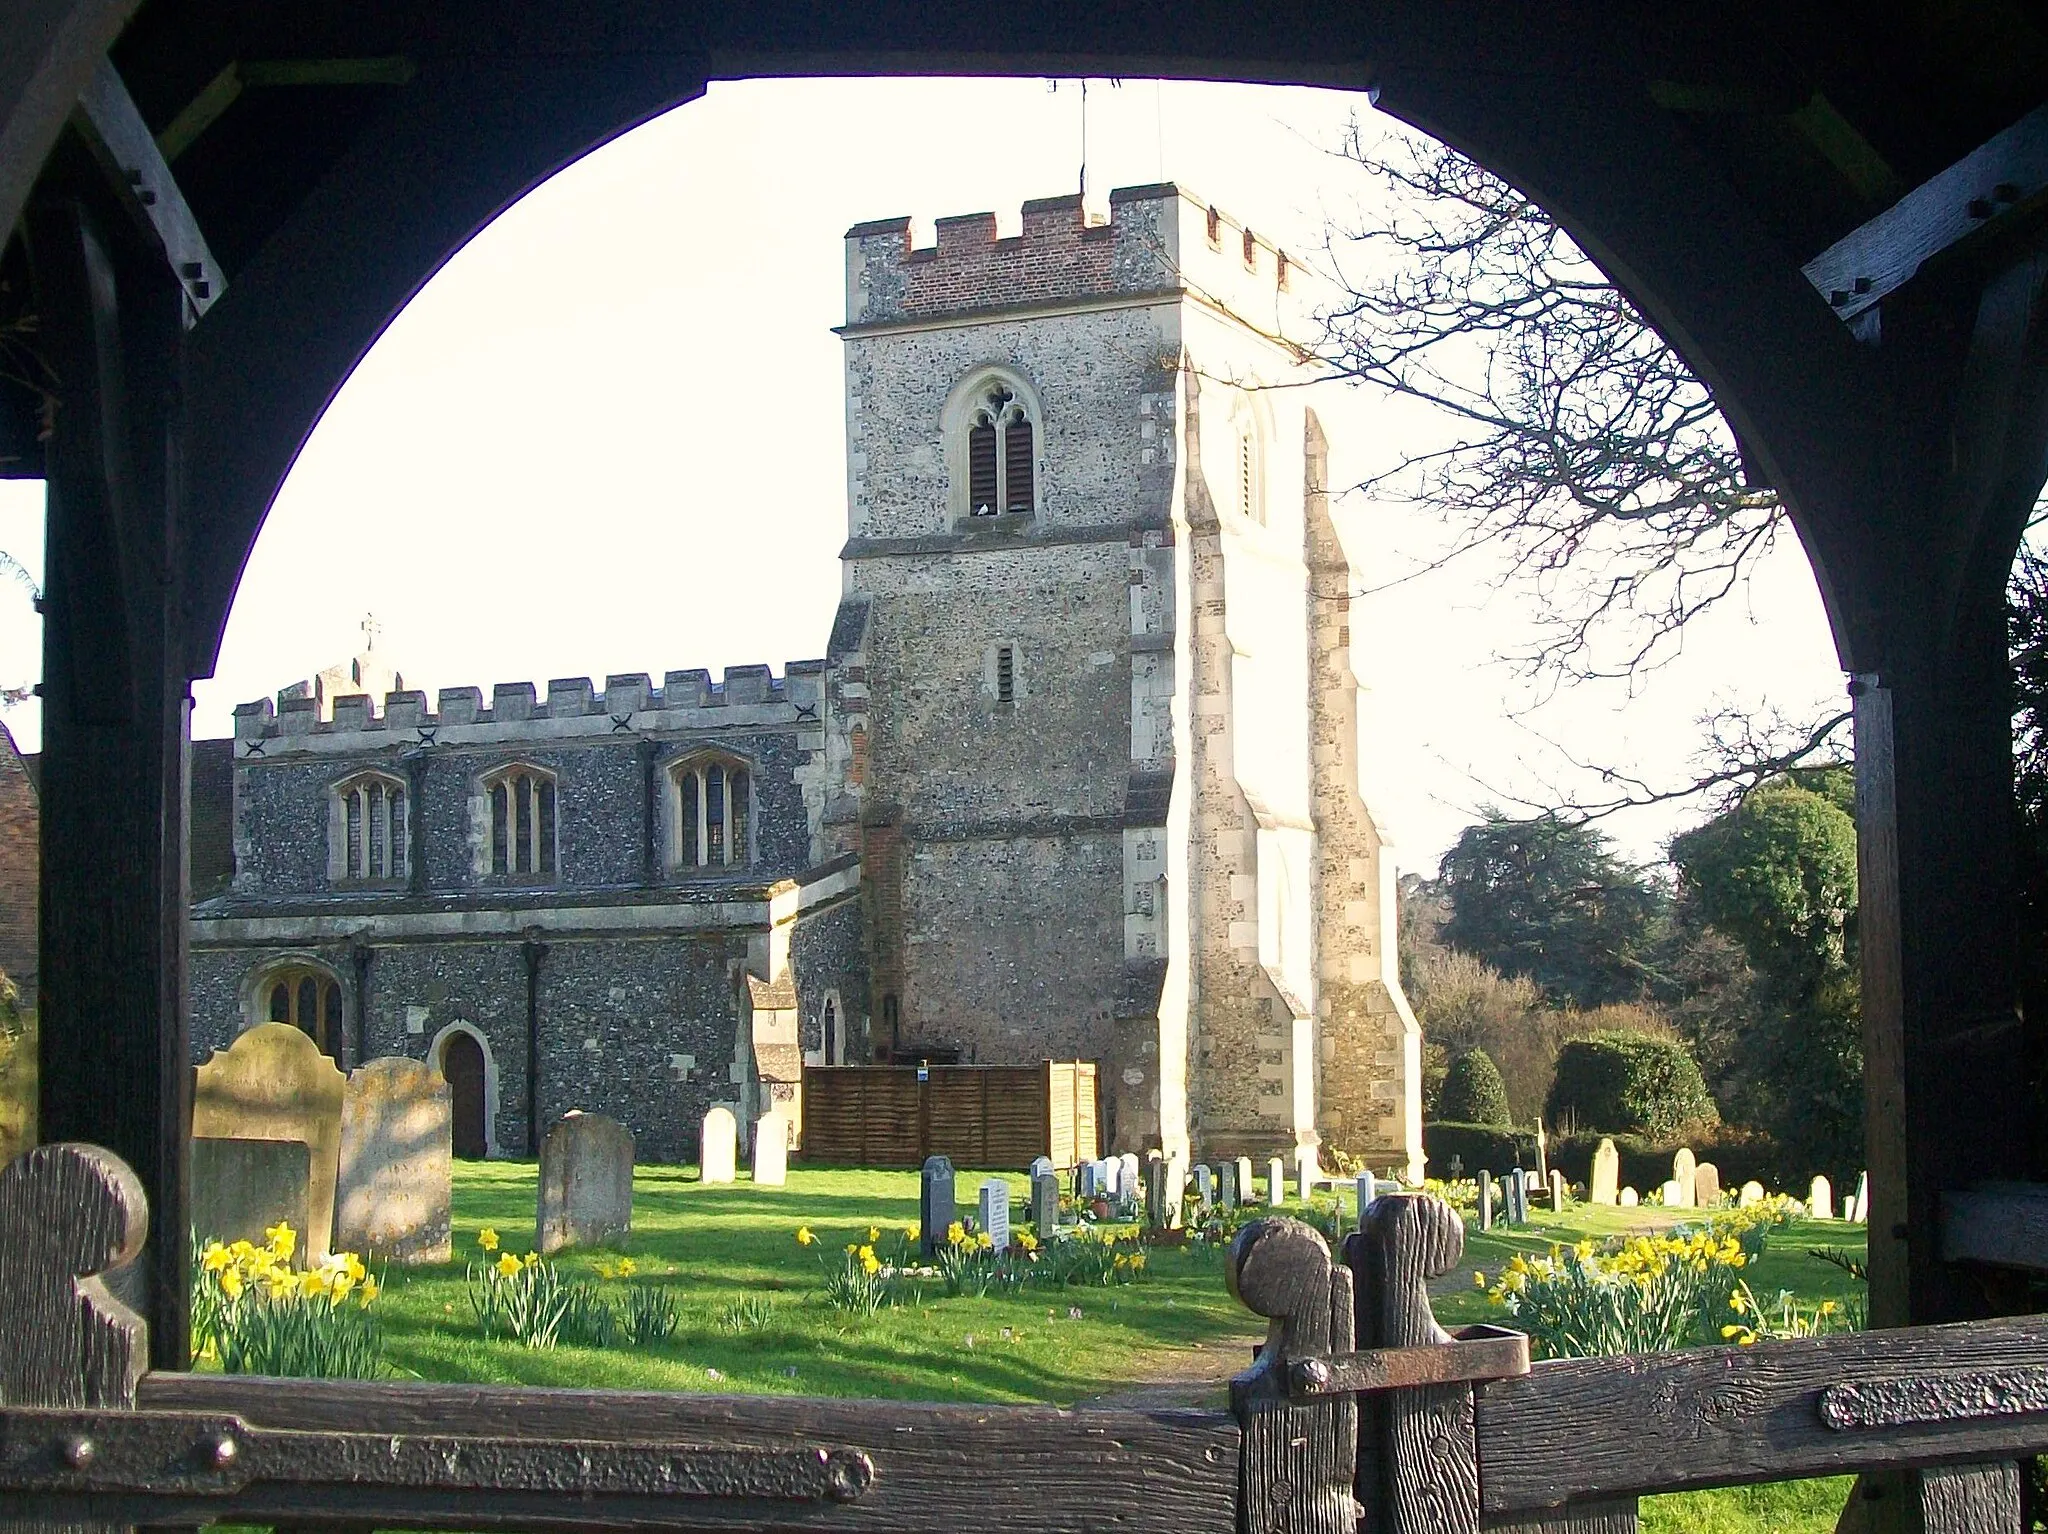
x: 464, y: 1059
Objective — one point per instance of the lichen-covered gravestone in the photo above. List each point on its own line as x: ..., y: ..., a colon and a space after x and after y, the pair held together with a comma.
x: 1605, y: 1187
x: 1820, y: 1199
x: 1706, y: 1185
x: 771, y: 1150
x: 718, y: 1157
x: 397, y: 1149
x: 586, y: 1183
x: 934, y: 1204
x: 242, y: 1188
x: 273, y: 1083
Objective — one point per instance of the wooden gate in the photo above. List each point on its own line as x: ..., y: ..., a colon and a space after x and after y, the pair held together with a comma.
x: 1360, y: 1416
x: 974, y: 1115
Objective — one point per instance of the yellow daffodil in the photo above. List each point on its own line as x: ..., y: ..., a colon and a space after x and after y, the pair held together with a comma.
x: 984, y: 1240
x: 231, y: 1283
x: 869, y: 1263
x: 804, y: 1236
x: 371, y: 1288
x: 910, y: 1233
x: 956, y: 1234
x: 487, y: 1238
x: 216, y: 1257
x: 628, y: 1267
x: 874, y: 1234
x: 283, y: 1240
x: 508, y: 1266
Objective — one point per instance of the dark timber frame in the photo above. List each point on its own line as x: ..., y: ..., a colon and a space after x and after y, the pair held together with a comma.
x: 1837, y: 217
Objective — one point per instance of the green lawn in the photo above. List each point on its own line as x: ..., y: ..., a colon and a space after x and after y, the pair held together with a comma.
x: 721, y: 1245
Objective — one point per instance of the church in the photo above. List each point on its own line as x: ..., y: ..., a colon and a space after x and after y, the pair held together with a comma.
x: 1077, y: 777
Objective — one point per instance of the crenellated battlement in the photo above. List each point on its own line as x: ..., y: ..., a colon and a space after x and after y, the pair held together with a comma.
x: 1158, y: 239
x: 571, y: 704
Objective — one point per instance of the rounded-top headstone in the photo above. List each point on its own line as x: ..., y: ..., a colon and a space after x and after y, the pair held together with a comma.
x: 1820, y: 1199
x: 393, y: 1198
x: 586, y: 1183
x: 1706, y: 1185
x: 718, y: 1158
x: 273, y: 1083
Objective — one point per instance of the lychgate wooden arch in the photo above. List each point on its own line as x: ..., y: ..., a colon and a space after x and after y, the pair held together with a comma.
x: 213, y: 208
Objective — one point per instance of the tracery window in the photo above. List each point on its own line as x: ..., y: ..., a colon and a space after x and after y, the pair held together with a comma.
x: 522, y: 811
x: 367, y: 830
x: 714, y: 814
x: 1001, y: 454
x: 308, y: 999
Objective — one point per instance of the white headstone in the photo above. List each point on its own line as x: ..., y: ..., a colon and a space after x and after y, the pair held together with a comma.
x: 1606, y: 1183
x: 995, y: 1212
x: 1306, y: 1172
x: 1628, y: 1198
x: 1861, y: 1199
x: 1129, y: 1185
x: 1820, y: 1199
x: 1673, y: 1194
x: 1276, y: 1183
x: 1752, y: 1193
x: 718, y: 1158
x: 1244, y: 1181
x: 771, y: 1150
x: 1683, y: 1167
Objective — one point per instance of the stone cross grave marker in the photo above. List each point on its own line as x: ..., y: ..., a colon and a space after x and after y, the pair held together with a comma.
x: 1227, y: 1184
x: 392, y: 1202
x: 1820, y: 1199
x: 771, y: 1150
x: 935, y: 1210
x: 1205, y: 1187
x: 1368, y: 1190
x: 586, y: 1183
x: 995, y: 1213
x: 1706, y: 1185
x: 1045, y: 1205
x: 1485, y: 1199
x: 1246, y: 1189
x: 1752, y: 1193
x: 1673, y: 1194
x: 718, y: 1160
x: 1457, y: 1168
x: 1276, y: 1183
x: 1629, y: 1198
x: 1683, y: 1170
x: 273, y: 1083
x: 1605, y: 1184
x: 241, y: 1188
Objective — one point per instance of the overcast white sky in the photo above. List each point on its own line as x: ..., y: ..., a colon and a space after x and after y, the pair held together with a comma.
x: 608, y: 437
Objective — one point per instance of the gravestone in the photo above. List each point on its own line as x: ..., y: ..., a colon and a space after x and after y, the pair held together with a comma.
x: 1368, y: 1190
x: 1227, y: 1184
x: 241, y: 1188
x: 1039, y: 1164
x: 1820, y: 1199
x: 1628, y: 1199
x: 1683, y: 1170
x: 1485, y: 1199
x: 586, y: 1183
x: 397, y: 1158
x: 1086, y: 1180
x: 1246, y: 1187
x: 1752, y: 1193
x: 718, y: 1159
x: 1176, y: 1193
x: 1045, y: 1205
x: 1520, y: 1195
x: 1605, y: 1185
x: 1108, y: 1171
x: 1706, y: 1185
x: 1673, y: 1194
x: 995, y: 1213
x: 935, y: 1209
x: 1560, y: 1192
x: 771, y: 1150
x: 1306, y: 1172
x: 1457, y: 1168
x: 1860, y: 1202
x: 1128, y: 1186
x: 1155, y: 1195
x: 273, y: 1083
x: 1205, y: 1187
x: 1276, y: 1183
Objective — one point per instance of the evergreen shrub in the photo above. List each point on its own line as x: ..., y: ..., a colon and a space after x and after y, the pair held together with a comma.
x: 1473, y: 1092
x: 1629, y: 1083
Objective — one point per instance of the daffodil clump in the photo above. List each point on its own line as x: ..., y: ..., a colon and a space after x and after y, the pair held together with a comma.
x: 254, y: 1311
x: 860, y: 1279
x: 1641, y: 1294
x: 528, y: 1300
x: 1752, y: 1320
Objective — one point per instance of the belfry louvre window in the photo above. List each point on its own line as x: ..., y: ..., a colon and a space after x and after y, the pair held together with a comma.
x: 714, y: 820
x: 1002, y: 464
x: 368, y: 830
x: 522, y: 801
x: 1249, y: 502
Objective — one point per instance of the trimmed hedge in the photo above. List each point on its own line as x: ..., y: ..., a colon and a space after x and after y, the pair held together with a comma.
x: 1740, y: 1156
x: 1473, y: 1092
x: 1630, y: 1083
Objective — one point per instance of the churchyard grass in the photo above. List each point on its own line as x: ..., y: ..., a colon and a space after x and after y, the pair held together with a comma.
x: 754, y: 1318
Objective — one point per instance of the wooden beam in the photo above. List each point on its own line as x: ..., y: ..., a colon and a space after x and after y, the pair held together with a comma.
x: 47, y: 52
x: 1987, y: 193
x: 122, y: 142
x: 225, y: 88
x: 1577, y: 1430
x: 2003, y: 1224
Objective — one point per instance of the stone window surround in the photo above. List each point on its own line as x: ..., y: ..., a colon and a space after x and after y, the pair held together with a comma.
x: 696, y: 760
x: 1247, y: 495
x: 502, y: 773
x: 955, y: 419
x: 491, y: 1150
x: 262, y: 975
x: 397, y: 845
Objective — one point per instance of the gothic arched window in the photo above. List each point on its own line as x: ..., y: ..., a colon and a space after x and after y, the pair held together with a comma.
x: 308, y: 998
x: 367, y: 837
x: 521, y: 802
x: 713, y: 804
x: 992, y: 425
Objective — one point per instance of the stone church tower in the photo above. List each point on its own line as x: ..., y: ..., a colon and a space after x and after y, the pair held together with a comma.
x: 1093, y: 725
